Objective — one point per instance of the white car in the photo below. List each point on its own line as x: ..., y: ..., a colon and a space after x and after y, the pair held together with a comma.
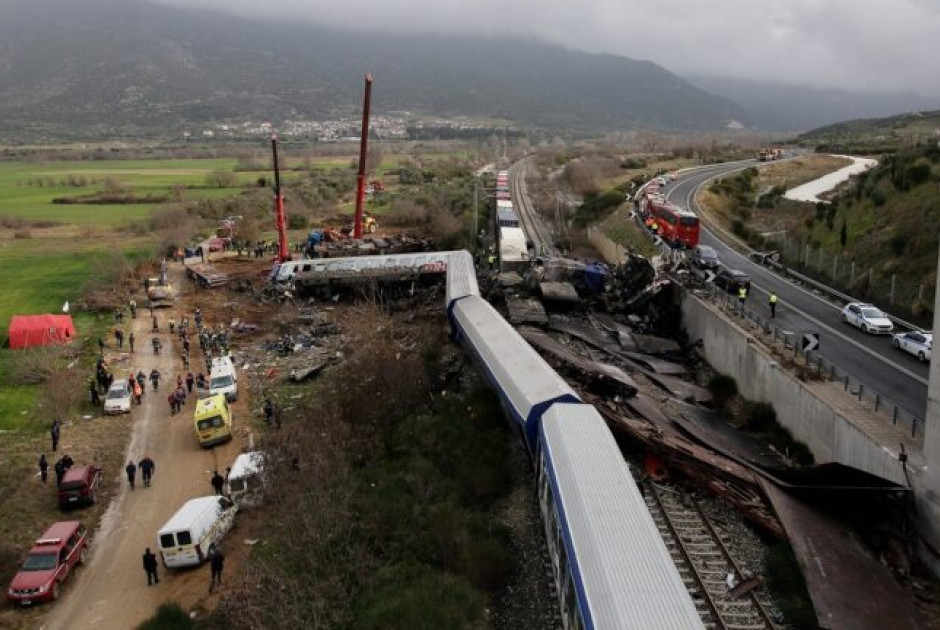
x: 915, y: 342
x: 118, y: 398
x: 867, y: 318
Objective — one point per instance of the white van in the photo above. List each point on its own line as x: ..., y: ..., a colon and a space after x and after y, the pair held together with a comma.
x: 196, y: 529
x: 246, y: 481
x: 223, y: 379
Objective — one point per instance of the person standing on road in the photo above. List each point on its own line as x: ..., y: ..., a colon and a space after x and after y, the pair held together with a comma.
x: 137, y: 390
x: 742, y: 295
x: 156, y: 327
x: 190, y: 382
x: 155, y: 378
x: 773, y: 304
x: 43, y: 468
x: 101, y: 345
x: 172, y: 325
x: 150, y: 566
x: 217, y: 482
x: 133, y: 307
x: 131, y: 471
x: 172, y: 400
x: 130, y: 340
x: 119, y: 337
x: 93, y: 390
x: 217, y: 564
x: 54, y: 434
x: 142, y: 380
x: 147, y: 467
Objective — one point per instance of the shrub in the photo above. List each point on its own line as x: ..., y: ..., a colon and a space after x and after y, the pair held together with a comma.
x: 415, y: 595
x: 877, y: 197
x: 723, y: 388
x: 169, y: 616
x: 899, y: 243
x: 297, y: 221
x: 918, y: 173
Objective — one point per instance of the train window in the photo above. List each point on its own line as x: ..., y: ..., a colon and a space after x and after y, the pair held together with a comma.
x: 689, y: 221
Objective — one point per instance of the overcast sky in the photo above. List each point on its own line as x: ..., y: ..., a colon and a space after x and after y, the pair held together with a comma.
x: 869, y: 45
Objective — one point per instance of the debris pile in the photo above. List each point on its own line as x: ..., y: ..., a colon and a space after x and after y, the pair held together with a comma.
x: 369, y: 246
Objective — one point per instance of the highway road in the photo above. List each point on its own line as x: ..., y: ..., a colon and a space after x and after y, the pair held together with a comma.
x: 870, y: 359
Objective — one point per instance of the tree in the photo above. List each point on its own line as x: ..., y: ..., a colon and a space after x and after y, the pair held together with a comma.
x: 843, y: 234
x: 221, y: 179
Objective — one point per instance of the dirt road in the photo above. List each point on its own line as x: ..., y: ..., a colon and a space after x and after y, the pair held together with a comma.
x: 110, y: 591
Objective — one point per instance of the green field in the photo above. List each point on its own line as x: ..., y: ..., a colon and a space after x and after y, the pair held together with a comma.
x: 38, y: 276
x: 27, y: 189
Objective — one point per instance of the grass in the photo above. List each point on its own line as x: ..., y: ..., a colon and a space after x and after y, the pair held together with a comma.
x: 38, y: 276
x: 23, y: 198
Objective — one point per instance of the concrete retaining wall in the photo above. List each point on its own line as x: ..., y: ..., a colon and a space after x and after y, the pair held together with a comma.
x: 809, y: 418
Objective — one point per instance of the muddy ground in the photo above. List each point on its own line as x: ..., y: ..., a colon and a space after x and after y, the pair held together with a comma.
x: 110, y: 591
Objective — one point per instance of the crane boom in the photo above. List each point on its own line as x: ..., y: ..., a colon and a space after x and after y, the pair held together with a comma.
x: 283, y: 253
x: 363, y: 146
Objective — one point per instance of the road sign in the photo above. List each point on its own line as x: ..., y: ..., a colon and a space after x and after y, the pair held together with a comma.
x: 810, y: 342
x: 709, y: 276
x: 632, y: 214
x: 657, y: 241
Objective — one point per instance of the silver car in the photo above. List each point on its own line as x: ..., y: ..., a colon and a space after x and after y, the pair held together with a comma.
x: 118, y: 398
x: 915, y: 342
x: 867, y: 318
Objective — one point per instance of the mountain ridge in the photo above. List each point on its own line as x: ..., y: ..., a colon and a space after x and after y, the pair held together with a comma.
x: 103, y: 66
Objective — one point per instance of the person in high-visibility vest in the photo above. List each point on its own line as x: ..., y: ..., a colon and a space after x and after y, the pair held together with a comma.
x: 773, y: 304
x: 742, y: 294
x: 655, y: 228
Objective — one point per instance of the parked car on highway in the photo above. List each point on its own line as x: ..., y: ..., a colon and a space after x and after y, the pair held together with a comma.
x: 49, y: 563
x: 867, y: 318
x: 704, y: 257
x: 731, y: 279
x: 118, y: 398
x: 916, y: 342
x: 79, y: 486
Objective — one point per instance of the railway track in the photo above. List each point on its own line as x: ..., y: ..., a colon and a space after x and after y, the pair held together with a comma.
x: 704, y: 562
x: 532, y: 225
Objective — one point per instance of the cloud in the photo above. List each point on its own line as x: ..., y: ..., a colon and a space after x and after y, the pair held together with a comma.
x: 875, y: 45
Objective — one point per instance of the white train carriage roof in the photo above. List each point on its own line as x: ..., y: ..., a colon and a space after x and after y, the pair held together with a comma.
x: 461, y: 277
x: 512, y: 245
x: 522, y: 377
x: 624, y: 573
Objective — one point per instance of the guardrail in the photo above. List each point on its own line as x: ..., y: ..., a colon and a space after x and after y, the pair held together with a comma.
x: 813, y: 364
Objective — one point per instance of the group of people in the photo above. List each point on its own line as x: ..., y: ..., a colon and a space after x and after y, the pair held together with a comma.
x: 772, y: 300
x: 146, y: 467
x: 216, y: 564
x: 60, y: 467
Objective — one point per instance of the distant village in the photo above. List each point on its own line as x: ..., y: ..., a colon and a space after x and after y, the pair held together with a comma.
x: 385, y: 127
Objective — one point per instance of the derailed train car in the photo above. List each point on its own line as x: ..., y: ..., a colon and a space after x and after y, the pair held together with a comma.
x: 611, y: 568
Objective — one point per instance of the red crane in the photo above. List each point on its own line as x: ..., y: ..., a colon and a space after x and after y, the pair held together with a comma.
x: 363, y: 146
x: 283, y: 253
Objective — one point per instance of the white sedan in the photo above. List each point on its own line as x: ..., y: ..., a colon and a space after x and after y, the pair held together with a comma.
x: 915, y: 342
x: 118, y: 399
x: 867, y: 318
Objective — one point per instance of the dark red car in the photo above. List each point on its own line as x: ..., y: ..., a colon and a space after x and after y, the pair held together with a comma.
x: 49, y: 563
x: 79, y: 486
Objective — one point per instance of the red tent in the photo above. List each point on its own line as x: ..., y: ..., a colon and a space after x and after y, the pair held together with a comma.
x: 27, y: 331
